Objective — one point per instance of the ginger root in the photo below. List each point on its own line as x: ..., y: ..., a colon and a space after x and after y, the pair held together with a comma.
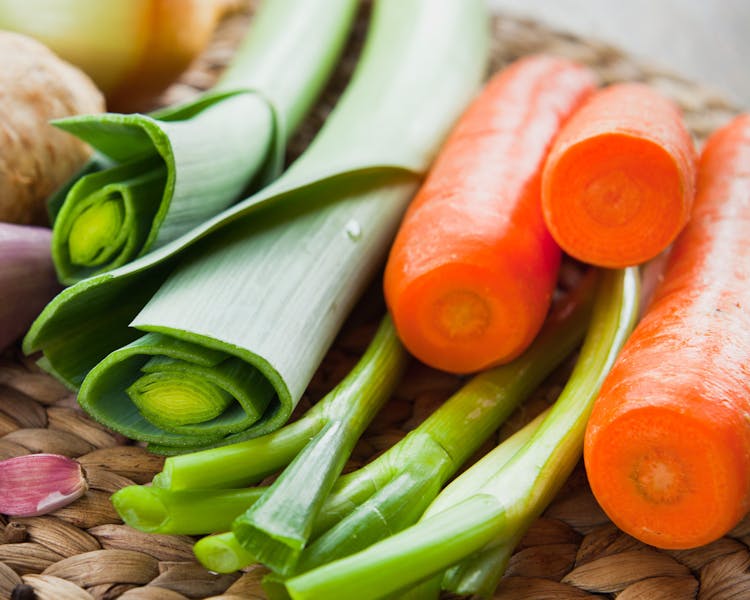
x: 35, y: 157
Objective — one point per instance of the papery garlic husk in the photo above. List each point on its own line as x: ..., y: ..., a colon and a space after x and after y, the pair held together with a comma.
x: 37, y: 484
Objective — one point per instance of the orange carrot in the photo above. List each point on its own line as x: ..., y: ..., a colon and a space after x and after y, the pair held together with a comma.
x: 667, y: 446
x: 472, y: 270
x: 618, y: 185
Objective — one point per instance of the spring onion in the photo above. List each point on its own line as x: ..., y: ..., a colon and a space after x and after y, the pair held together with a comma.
x: 273, y: 290
x: 160, y: 510
x: 278, y: 526
x: 493, y: 512
x: 480, y: 574
x: 161, y: 174
x: 384, y: 496
x: 280, y: 519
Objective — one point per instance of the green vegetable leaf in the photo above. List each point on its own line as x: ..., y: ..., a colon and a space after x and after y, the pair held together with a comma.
x: 198, y: 157
x: 271, y: 279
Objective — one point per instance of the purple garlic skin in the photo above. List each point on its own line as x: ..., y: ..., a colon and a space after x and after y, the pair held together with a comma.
x: 37, y: 484
x: 27, y: 278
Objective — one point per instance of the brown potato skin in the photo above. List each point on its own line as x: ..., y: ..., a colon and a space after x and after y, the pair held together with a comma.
x: 35, y: 157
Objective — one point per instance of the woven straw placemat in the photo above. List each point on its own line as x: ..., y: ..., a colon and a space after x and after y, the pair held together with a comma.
x: 83, y: 551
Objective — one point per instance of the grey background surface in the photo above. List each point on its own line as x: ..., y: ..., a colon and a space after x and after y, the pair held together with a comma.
x: 704, y: 40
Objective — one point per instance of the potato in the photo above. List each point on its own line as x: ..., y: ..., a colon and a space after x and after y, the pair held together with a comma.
x: 35, y: 157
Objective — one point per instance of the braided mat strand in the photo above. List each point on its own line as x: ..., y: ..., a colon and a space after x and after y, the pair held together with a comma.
x: 573, y: 552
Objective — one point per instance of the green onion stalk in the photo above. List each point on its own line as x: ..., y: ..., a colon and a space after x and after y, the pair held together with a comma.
x: 479, y: 574
x: 477, y: 518
x: 156, y: 176
x: 212, y: 338
x: 364, y: 506
x: 187, y: 497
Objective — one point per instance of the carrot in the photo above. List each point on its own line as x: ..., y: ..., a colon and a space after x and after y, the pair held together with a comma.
x: 471, y: 273
x: 618, y: 185
x: 667, y: 446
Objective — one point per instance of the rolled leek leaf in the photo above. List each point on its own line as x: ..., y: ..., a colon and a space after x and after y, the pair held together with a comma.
x: 487, y: 513
x: 271, y: 279
x: 161, y: 174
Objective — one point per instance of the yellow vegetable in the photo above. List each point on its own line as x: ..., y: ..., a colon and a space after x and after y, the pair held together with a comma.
x: 132, y: 49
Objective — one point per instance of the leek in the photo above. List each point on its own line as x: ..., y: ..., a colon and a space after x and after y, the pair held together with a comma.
x: 273, y: 290
x: 492, y: 513
x: 161, y: 174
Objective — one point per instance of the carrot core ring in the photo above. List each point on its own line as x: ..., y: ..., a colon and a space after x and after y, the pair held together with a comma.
x: 462, y: 314
x: 660, y: 478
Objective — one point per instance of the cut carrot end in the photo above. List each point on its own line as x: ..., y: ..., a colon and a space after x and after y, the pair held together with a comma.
x: 667, y: 478
x: 461, y: 319
x: 615, y: 200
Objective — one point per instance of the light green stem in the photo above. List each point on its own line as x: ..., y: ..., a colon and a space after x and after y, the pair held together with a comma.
x: 181, y: 512
x: 224, y: 552
x: 277, y: 527
x: 391, y: 492
x: 520, y: 489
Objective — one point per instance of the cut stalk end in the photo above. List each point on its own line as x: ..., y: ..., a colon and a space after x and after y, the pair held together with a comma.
x: 222, y: 553
x: 140, y: 507
x: 277, y: 552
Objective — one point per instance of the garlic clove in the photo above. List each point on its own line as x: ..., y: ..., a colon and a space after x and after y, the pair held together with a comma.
x: 36, y: 484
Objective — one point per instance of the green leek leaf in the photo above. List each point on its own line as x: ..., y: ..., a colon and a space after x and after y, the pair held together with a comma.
x: 271, y: 279
x: 198, y: 157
